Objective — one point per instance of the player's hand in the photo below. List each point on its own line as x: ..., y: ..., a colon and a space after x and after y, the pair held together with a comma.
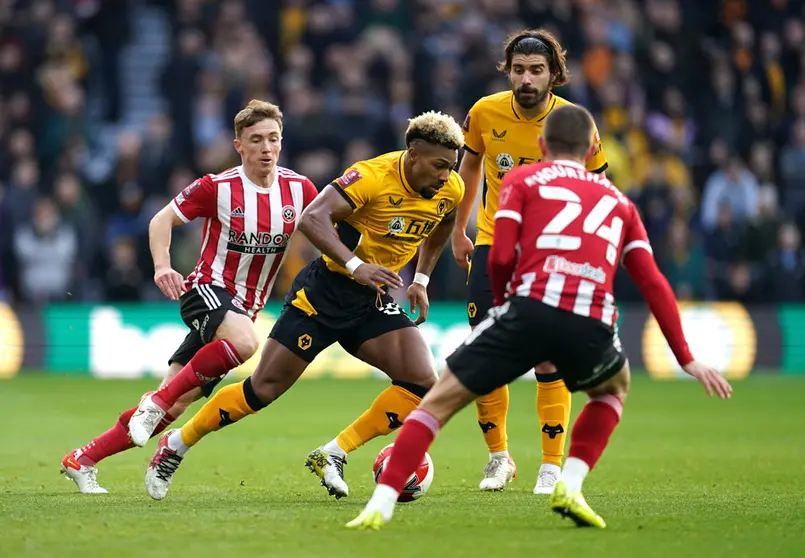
x: 170, y: 282
x: 462, y: 248
x: 376, y: 275
x: 418, y: 296
x: 710, y: 378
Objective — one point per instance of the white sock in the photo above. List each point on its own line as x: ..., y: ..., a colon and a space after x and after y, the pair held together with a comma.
x: 176, y: 443
x: 573, y: 474
x: 550, y: 467
x: 499, y: 455
x: 383, y: 500
x: 333, y: 448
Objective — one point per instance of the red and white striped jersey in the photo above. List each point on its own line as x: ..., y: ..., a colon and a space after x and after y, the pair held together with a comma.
x: 246, y: 230
x: 575, y: 227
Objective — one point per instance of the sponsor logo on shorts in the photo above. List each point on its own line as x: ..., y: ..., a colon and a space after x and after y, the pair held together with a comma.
x: 238, y: 304
x: 558, y: 264
x: 305, y: 341
x: 472, y: 310
x: 203, y: 327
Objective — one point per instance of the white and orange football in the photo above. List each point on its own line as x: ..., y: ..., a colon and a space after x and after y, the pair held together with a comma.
x: 420, y: 481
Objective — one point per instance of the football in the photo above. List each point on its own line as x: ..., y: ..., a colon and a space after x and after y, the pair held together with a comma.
x: 419, y: 483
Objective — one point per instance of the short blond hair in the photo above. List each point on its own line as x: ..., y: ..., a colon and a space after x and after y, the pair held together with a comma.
x: 435, y: 127
x: 256, y: 111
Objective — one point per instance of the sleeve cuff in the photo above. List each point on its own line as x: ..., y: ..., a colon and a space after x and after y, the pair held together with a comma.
x: 178, y: 212
x: 344, y: 195
x: 509, y: 214
x: 471, y: 150
x: 601, y: 169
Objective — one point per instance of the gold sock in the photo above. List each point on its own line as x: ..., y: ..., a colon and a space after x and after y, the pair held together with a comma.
x: 227, y: 406
x: 387, y: 413
x: 553, y: 410
x: 492, y: 409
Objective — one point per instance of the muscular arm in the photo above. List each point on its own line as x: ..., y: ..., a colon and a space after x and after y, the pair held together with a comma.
x: 318, y: 223
x: 432, y: 247
x: 159, y: 235
x: 471, y: 171
x: 660, y: 297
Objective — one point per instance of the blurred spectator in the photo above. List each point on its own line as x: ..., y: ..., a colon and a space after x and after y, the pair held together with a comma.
x: 792, y: 172
x: 786, y: 270
x: 46, y: 252
x: 124, y: 277
x: 741, y: 282
x: 733, y: 186
x: 112, y: 107
x: 684, y: 263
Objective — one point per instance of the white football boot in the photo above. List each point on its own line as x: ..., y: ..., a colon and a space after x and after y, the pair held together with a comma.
x: 546, y: 478
x: 145, y: 420
x: 329, y: 467
x: 84, y: 476
x: 497, y: 473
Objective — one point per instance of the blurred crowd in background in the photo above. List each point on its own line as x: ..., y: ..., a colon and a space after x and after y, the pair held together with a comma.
x: 108, y: 108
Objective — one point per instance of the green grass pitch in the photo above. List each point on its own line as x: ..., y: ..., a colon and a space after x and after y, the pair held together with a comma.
x: 683, y: 476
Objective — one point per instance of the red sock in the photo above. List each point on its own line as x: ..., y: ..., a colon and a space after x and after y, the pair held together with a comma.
x: 210, y: 362
x: 593, y: 427
x: 414, y: 439
x: 115, y: 440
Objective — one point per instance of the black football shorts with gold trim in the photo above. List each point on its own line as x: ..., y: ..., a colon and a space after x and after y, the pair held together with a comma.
x: 479, y: 289
x: 324, y: 307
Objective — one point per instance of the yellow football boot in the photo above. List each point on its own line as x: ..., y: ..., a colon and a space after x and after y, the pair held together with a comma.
x: 574, y: 506
x: 367, y: 520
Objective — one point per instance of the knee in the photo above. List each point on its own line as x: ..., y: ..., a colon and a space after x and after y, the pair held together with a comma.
x: 267, y: 390
x: 244, y: 340
x: 246, y: 345
x: 617, y: 386
x: 423, y: 375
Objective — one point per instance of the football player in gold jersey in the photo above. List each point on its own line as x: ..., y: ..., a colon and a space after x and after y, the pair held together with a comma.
x: 368, y: 225
x: 500, y: 133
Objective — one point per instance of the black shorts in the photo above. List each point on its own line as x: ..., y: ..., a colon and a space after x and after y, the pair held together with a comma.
x: 324, y: 307
x: 202, y: 309
x: 479, y: 289
x: 524, y: 332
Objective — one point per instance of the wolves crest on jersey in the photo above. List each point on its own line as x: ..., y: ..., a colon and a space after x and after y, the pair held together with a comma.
x: 495, y: 131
